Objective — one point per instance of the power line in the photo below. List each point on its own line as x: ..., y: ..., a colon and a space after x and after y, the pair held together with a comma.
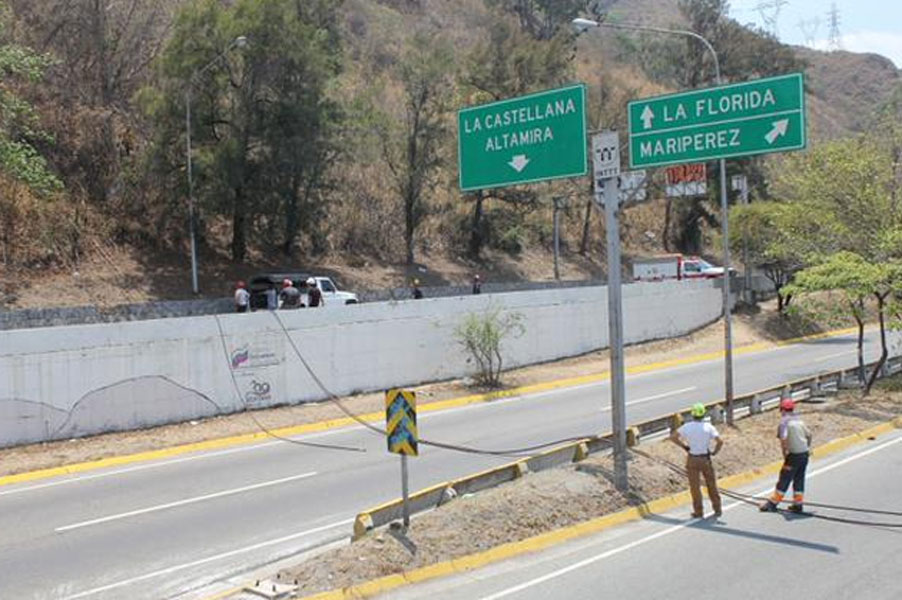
x: 809, y: 29
x: 770, y: 14
x: 834, y: 39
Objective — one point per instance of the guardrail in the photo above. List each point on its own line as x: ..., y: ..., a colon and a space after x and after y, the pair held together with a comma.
x: 746, y: 405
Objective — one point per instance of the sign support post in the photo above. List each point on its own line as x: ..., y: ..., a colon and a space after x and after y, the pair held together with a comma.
x: 727, y: 281
x: 606, y: 158
x: 557, y: 237
x: 401, y: 431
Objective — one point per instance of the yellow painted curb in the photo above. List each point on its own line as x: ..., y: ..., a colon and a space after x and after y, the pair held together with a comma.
x: 558, y: 536
x: 330, y: 424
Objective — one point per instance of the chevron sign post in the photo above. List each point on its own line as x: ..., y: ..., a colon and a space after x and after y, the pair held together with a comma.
x: 401, y: 421
x: 401, y: 430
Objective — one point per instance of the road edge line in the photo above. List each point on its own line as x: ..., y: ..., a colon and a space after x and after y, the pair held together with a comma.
x: 558, y: 536
x: 337, y: 423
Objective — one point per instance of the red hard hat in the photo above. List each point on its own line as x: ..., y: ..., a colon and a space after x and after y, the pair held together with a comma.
x: 240, y: 284
x: 787, y: 404
x: 287, y: 283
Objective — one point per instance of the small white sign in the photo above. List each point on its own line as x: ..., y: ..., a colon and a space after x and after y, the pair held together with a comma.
x: 632, y: 186
x: 738, y: 183
x: 606, y: 154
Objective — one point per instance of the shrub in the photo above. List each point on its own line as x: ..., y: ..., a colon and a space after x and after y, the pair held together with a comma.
x: 482, y: 334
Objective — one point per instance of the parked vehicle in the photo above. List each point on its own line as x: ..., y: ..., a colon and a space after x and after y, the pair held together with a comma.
x: 674, y: 266
x: 259, y: 284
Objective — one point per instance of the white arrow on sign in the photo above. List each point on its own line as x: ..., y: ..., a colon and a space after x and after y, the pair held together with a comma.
x: 779, y: 129
x: 648, y: 115
x: 519, y: 162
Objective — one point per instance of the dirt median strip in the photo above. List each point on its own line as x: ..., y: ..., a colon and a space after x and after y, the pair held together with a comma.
x: 331, y: 424
x: 552, y: 538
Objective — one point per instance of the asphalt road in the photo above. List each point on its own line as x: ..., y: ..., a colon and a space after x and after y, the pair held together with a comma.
x: 160, y: 529
x: 744, y: 554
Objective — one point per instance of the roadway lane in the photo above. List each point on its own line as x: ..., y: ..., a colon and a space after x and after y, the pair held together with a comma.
x: 154, y: 529
x: 763, y: 555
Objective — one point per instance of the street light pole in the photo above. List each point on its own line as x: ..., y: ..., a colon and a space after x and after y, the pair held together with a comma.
x: 583, y: 24
x: 238, y: 42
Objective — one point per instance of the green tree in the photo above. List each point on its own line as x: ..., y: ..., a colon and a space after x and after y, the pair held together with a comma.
x: 20, y: 131
x: 542, y: 19
x: 413, y: 150
x: 247, y: 128
x: 510, y: 62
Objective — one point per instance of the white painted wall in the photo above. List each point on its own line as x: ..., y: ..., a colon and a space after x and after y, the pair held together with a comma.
x: 72, y: 381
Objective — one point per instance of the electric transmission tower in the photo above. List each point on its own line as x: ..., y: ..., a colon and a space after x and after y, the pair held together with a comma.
x: 809, y: 30
x: 770, y: 13
x: 834, y: 39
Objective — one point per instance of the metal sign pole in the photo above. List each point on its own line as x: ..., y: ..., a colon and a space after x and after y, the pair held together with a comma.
x: 606, y: 163
x: 727, y: 280
x: 405, y: 506
x: 557, y: 238
x: 615, y: 331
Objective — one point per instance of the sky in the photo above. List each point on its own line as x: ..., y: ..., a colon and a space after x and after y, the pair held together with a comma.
x: 864, y: 25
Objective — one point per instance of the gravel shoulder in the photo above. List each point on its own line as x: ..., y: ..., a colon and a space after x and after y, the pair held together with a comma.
x: 552, y: 499
x: 763, y: 328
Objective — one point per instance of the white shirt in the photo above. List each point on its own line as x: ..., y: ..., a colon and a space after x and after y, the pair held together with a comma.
x: 242, y: 296
x: 699, y: 435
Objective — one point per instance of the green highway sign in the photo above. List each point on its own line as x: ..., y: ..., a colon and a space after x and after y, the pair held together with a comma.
x: 742, y: 119
x: 523, y: 140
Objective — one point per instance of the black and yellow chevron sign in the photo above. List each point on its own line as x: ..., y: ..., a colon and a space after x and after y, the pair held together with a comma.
x: 401, y: 421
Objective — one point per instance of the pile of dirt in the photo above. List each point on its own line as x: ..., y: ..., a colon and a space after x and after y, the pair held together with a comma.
x: 548, y: 500
x: 748, y: 329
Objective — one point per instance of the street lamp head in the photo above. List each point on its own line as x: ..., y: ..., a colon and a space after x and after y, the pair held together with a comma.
x: 581, y: 25
x: 240, y: 41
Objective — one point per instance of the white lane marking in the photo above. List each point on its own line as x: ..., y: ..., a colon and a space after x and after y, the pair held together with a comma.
x: 202, y: 561
x: 153, y: 465
x: 659, y: 396
x: 196, y: 499
x: 830, y: 356
x: 668, y: 531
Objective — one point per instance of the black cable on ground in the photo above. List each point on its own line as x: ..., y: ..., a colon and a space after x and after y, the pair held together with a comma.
x: 755, y: 500
x: 513, y: 453
x: 259, y: 425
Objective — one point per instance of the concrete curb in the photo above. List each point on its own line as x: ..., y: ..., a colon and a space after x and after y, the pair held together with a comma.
x: 330, y: 424
x: 558, y: 536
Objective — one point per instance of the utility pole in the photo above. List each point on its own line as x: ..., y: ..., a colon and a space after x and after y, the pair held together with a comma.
x: 809, y: 29
x: 741, y: 185
x: 770, y: 13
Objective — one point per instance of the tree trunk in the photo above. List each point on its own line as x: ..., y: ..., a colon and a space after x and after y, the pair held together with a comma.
x: 883, y: 349
x: 476, y: 233
x: 665, y: 236
x: 860, y: 346
x: 239, y: 226
x: 584, y: 242
x: 409, y: 226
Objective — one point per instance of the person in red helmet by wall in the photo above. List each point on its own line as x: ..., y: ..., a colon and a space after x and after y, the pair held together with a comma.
x: 242, y: 297
x: 795, y: 441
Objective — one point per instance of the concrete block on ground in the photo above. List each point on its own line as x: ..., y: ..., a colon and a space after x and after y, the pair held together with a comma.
x: 271, y: 589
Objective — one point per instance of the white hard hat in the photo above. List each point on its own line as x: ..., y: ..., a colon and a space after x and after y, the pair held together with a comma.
x: 311, y: 281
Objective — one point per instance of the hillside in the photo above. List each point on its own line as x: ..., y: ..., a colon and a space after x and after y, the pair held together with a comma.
x: 118, y: 232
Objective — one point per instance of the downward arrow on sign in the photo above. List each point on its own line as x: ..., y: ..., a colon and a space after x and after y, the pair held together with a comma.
x: 519, y: 162
x: 779, y: 129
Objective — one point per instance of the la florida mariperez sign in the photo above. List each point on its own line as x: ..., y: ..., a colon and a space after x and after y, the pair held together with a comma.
x: 742, y: 119
x: 523, y: 140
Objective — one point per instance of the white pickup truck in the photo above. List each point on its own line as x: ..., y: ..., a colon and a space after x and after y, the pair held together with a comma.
x: 674, y: 266
x: 331, y: 294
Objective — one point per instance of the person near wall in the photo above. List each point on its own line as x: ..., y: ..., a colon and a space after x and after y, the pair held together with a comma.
x: 415, y: 289
x: 272, y: 298
x: 242, y: 297
x: 314, y: 294
x: 290, y: 296
x: 695, y: 437
x: 795, y: 442
x: 477, y: 284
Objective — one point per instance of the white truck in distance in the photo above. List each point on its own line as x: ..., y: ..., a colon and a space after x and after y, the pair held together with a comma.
x: 674, y: 266
x: 331, y: 294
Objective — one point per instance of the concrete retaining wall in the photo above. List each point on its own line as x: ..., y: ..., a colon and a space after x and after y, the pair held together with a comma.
x: 72, y: 381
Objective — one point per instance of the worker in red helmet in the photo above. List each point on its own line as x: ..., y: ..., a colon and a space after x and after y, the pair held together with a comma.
x: 290, y: 296
x: 242, y: 297
x: 795, y: 441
